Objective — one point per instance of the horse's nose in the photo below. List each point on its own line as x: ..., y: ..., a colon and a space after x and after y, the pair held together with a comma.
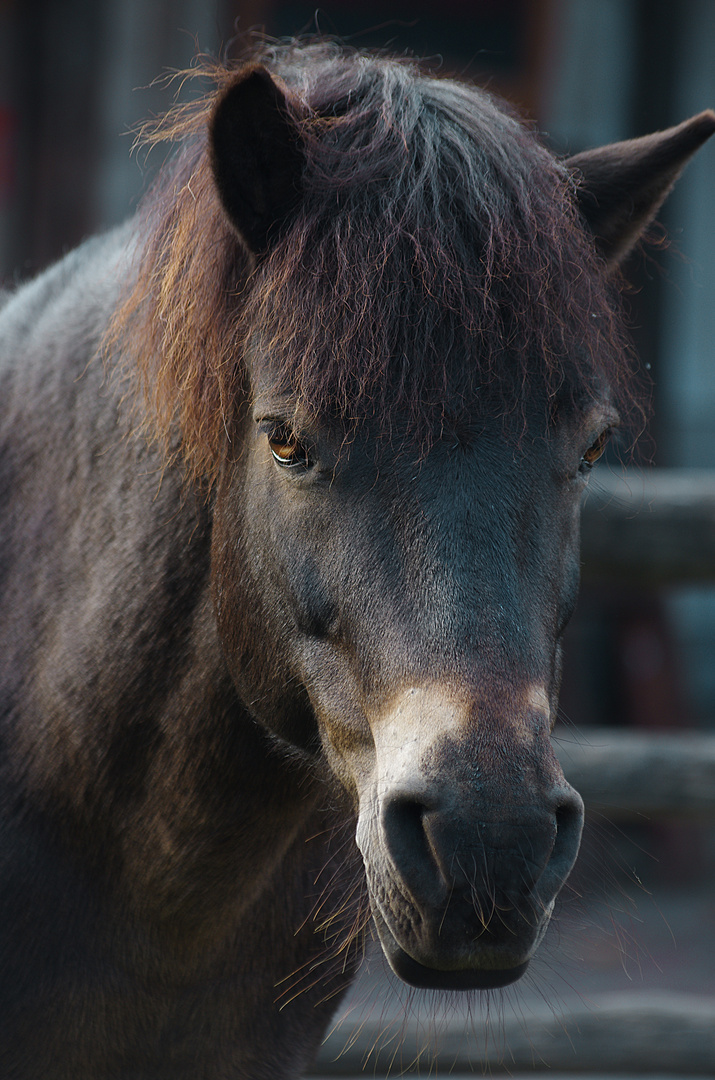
x: 524, y: 858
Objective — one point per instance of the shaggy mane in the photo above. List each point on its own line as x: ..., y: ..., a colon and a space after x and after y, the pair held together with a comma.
x: 437, y: 258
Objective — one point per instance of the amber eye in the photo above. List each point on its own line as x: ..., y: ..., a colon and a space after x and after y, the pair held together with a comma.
x: 595, y: 451
x: 286, y: 449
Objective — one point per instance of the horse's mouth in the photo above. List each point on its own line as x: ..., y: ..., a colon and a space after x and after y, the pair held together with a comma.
x: 424, y: 977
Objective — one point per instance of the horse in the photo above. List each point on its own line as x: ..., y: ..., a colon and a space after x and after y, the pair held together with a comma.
x: 290, y: 473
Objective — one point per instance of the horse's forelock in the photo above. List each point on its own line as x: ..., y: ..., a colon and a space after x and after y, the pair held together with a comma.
x: 437, y: 250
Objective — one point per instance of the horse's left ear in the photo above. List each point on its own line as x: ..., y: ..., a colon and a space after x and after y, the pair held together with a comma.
x: 621, y: 186
x: 256, y: 156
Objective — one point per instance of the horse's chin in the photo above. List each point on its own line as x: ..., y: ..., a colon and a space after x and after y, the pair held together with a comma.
x: 423, y: 977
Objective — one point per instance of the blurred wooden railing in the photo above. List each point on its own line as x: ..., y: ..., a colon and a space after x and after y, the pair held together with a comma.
x: 657, y: 1034
x: 626, y: 773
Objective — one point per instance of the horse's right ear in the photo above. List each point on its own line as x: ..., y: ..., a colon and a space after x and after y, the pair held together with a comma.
x: 256, y: 156
x: 622, y: 186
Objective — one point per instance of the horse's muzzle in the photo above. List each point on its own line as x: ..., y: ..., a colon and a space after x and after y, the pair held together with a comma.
x: 462, y: 900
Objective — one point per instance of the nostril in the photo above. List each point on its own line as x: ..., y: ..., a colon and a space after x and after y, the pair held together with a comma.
x: 402, y: 823
x: 569, y: 825
x: 569, y: 813
x: 405, y: 830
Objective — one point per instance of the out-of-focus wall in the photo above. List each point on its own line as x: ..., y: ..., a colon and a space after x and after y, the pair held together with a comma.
x: 686, y: 398
x: 75, y: 77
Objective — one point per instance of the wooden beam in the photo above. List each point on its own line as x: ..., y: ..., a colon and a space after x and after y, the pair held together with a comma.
x: 651, y: 1032
x: 626, y: 773
x: 649, y: 527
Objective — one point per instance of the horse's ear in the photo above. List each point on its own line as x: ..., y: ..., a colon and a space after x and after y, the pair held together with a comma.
x: 621, y: 186
x: 256, y: 156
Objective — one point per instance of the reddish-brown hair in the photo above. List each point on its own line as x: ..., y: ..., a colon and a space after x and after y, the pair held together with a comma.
x: 436, y: 257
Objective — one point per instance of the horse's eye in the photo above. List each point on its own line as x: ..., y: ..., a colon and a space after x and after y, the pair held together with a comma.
x: 595, y: 451
x: 286, y: 449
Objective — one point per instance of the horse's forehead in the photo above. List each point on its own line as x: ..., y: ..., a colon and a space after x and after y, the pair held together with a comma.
x: 457, y: 413
x: 521, y: 428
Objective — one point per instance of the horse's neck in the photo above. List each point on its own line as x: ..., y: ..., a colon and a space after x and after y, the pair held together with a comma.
x: 134, y: 734
x: 160, y: 856
x: 114, y: 693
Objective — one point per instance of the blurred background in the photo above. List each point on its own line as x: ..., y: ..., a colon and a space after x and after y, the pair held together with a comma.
x: 76, y: 76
